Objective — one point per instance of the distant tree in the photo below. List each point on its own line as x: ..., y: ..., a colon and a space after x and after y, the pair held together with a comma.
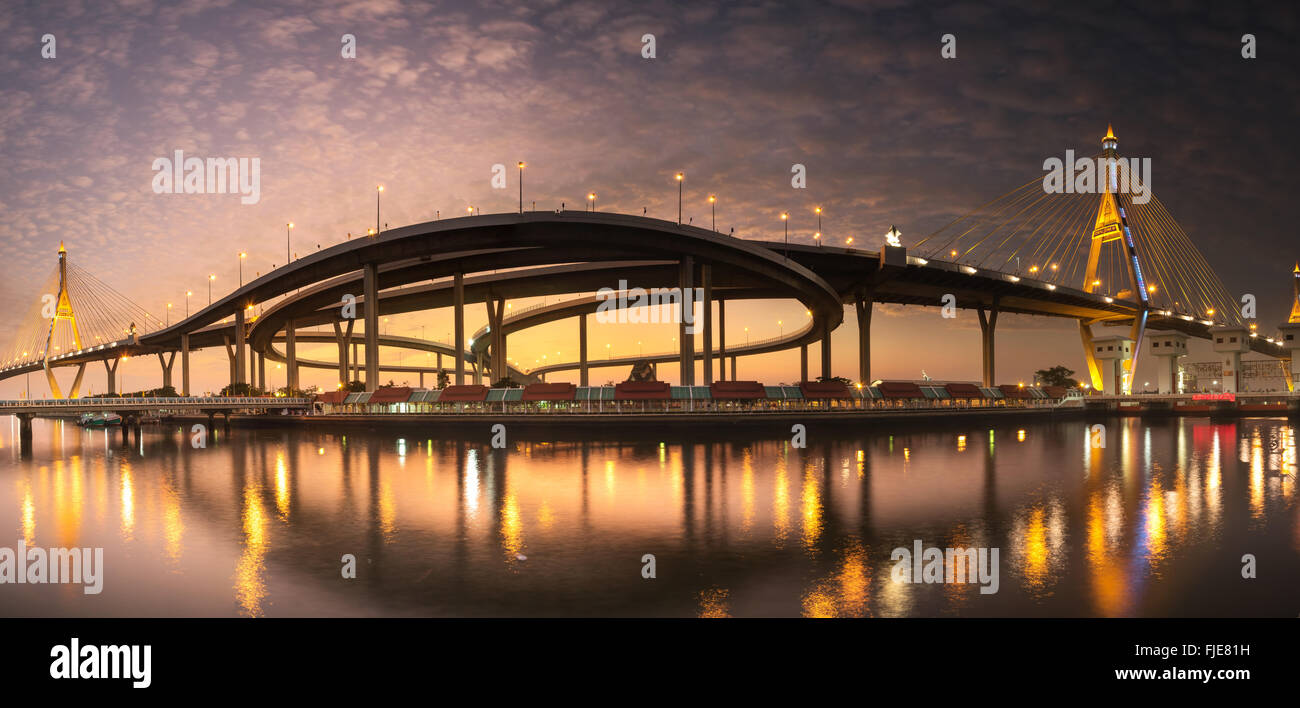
x: 840, y: 379
x: 239, y: 389
x: 354, y: 386
x: 443, y: 379
x: 1057, y: 376
x: 505, y: 382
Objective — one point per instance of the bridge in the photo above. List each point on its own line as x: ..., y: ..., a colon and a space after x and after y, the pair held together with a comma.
x: 1100, y: 258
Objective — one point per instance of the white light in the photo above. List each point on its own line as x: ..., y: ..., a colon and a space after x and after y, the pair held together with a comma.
x: 970, y: 270
x: 1051, y: 287
x: 1109, y: 299
x: 1013, y: 278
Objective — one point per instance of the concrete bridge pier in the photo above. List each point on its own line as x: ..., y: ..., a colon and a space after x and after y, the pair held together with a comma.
x: 685, y: 340
x: 185, y: 364
x: 988, y: 325
x: 343, y: 337
x: 862, y: 306
x: 458, y: 307
x: 582, y: 350
x: 826, y: 351
x: 24, y: 434
x: 241, y: 356
x: 733, y: 368
x: 261, y: 371
x: 291, y: 354
x: 706, y: 285
x: 110, y: 365
x: 722, y: 340
x: 370, y: 284
x: 803, y: 362
x: 230, y: 356
x: 166, y: 361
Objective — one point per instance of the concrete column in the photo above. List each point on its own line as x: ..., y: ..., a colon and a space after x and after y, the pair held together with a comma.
x: 355, y: 363
x: 110, y: 365
x: 370, y: 284
x: 342, y: 337
x: 988, y: 325
x: 803, y: 362
x: 722, y: 340
x: 261, y: 371
x: 458, y: 304
x: 185, y: 364
x: 863, y: 305
x: 685, y: 340
x: 166, y: 362
x: 826, y: 351
x: 291, y: 353
x: 230, y: 358
x: 241, y: 369
x: 706, y: 284
x: 582, y: 350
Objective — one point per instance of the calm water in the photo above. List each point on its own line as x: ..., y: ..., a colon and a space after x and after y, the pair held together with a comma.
x: 1154, y: 524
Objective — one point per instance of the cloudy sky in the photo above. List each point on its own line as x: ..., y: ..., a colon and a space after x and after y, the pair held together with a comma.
x: 890, y: 133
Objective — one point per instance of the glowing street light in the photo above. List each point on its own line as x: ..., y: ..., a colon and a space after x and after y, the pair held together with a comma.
x: 681, y: 177
x: 188, y: 293
x: 242, y: 256
x: 785, y: 219
x: 211, y: 277
x: 287, y: 228
x: 379, y: 189
x: 713, y: 207
x: 591, y: 197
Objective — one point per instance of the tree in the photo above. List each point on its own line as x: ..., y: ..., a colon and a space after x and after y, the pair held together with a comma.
x: 443, y: 379
x: 1057, y: 376
x: 355, y: 386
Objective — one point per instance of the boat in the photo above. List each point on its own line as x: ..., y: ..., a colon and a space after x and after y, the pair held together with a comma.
x: 99, y: 420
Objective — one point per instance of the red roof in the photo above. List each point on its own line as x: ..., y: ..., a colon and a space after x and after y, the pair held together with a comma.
x: 824, y: 389
x: 331, y: 397
x: 899, y: 389
x: 1009, y: 391
x: 737, y: 390
x: 391, y: 394
x: 1055, y: 391
x: 641, y: 391
x: 468, y: 393
x: 963, y: 390
x: 550, y: 392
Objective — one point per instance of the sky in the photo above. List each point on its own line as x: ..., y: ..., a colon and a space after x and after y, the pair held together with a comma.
x: 890, y: 133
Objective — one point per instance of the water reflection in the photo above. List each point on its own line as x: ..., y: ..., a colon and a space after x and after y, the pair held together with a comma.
x: 256, y: 524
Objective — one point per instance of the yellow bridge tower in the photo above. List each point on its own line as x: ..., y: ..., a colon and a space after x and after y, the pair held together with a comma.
x: 63, y: 313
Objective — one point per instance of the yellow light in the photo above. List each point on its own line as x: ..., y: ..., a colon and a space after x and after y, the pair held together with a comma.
x: 1151, y: 288
x: 380, y: 187
x: 1210, y: 311
x: 522, y: 165
x: 1053, y: 266
x: 817, y: 236
x: 712, y: 199
x: 1033, y: 269
x: 243, y: 255
x: 818, y: 210
x: 680, y: 176
x: 849, y: 242
x: 591, y: 195
x: 784, y: 216
x: 291, y: 224
x: 953, y: 253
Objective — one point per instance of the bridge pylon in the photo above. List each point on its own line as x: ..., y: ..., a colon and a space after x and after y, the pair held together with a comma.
x: 1112, y: 225
x: 63, y: 313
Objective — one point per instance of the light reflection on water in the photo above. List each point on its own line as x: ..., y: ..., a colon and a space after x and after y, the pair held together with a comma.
x: 257, y: 524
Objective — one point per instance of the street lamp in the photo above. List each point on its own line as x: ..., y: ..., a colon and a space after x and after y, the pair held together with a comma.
x: 188, y: 293
x: 521, y: 186
x: 211, y: 277
x: 818, y: 211
x: 785, y: 219
x: 242, y: 256
x: 681, y: 177
x: 713, y: 207
x: 591, y: 197
x: 168, y: 323
x: 379, y: 189
x: 287, y: 228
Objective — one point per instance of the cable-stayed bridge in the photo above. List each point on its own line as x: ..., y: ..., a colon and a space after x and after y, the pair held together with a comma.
x: 1102, y: 256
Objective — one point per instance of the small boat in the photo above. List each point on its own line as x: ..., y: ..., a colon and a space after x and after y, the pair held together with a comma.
x: 99, y: 420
